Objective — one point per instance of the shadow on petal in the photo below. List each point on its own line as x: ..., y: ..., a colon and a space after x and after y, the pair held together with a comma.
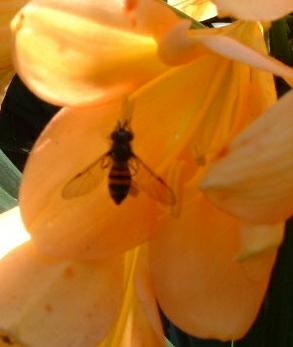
x: 199, y: 284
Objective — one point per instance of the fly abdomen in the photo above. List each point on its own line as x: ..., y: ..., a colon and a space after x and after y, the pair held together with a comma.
x: 119, y: 183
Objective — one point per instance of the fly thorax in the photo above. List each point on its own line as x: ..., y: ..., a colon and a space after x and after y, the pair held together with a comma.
x: 121, y: 152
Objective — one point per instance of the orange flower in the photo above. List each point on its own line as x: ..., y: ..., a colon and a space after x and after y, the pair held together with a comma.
x: 203, y: 89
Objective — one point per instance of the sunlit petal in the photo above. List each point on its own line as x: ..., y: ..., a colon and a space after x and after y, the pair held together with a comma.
x: 139, y: 322
x: 259, y: 239
x: 12, y: 231
x: 254, y: 179
x: 93, y: 232
x: 47, y: 302
x: 198, y: 9
x: 199, y: 283
x: 70, y: 59
x: 181, y: 46
x: 87, y: 226
x: 254, y: 9
x: 147, y: 309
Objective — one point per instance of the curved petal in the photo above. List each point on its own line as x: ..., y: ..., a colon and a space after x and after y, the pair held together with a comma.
x: 152, y: 17
x: 68, y: 59
x: 236, y: 42
x: 146, y: 307
x: 92, y: 225
x: 254, y: 179
x: 41, y: 304
x: 263, y: 10
x: 198, y: 282
x: 139, y: 323
x: 259, y: 239
x: 106, y: 12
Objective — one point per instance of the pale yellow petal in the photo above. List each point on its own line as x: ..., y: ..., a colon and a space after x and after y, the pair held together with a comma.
x: 263, y: 10
x: 141, y: 16
x: 69, y: 59
x: 46, y: 302
x: 259, y: 239
x: 198, y: 9
x: 254, y: 179
x: 105, y: 12
x: 181, y: 46
x: 139, y: 323
x: 200, y: 285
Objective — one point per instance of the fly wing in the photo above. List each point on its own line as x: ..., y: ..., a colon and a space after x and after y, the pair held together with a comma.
x: 146, y: 180
x: 86, y: 180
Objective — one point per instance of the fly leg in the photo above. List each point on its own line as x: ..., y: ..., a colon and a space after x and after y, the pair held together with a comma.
x: 104, y: 162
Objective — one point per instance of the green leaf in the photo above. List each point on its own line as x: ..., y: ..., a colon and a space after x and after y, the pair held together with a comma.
x: 169, y: 344
x: 9, y: 183
x: 6, y: 201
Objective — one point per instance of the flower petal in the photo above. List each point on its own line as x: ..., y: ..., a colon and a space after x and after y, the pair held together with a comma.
x: 152, y: 16
x: 88, y: 226
x: 257, y: 239
x: 12, y: 231
x: 199, y: 284
x: 85, y: 59
x: 181, y: 46
x: 45, y: 302
x: 147, y: 312
x: 7, y: 10
x: 262, y: 10
x: 254, y: 179
x: 139, y: 322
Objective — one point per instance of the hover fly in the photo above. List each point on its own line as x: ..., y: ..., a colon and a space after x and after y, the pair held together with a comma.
x: 127, y: 173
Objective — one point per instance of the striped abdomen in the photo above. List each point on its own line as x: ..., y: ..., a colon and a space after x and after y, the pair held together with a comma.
x: 119, y: 182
